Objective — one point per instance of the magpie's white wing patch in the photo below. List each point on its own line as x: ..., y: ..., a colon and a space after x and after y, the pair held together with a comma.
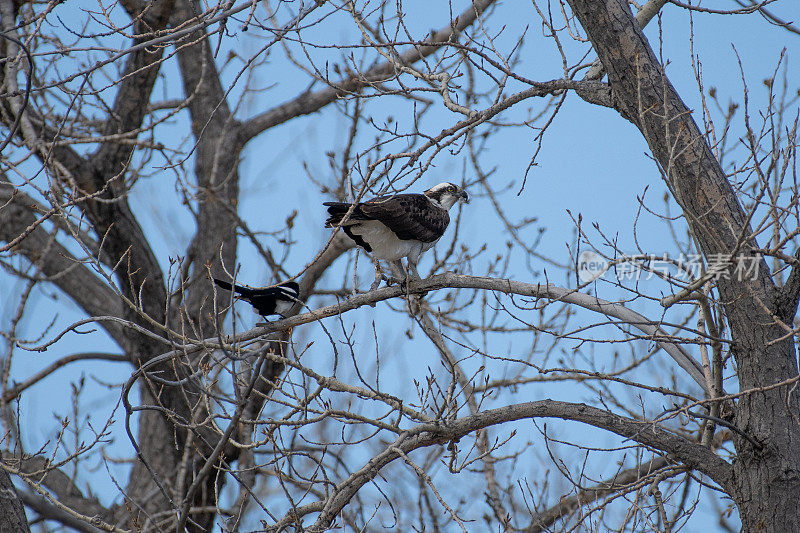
x: 266, y: 300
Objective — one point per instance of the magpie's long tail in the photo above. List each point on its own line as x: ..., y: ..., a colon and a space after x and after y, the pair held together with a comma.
x: 244, y: 291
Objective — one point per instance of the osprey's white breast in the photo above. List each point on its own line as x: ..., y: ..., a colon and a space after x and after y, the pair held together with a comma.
x: 385, y: 244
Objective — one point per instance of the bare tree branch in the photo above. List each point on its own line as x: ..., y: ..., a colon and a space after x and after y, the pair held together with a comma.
x: 647, y: 433
x: 49, y: 511
x: 308, y: 102
x: 57, y: 263
x: 543, y: 520
x: 40, y: 471
x: 549, y: 292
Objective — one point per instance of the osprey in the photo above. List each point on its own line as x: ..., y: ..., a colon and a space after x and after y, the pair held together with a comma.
x: 266, y: 300
x: 391, y: 227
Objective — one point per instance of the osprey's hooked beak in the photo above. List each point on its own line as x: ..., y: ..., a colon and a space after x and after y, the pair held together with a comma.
x: 464, y: 196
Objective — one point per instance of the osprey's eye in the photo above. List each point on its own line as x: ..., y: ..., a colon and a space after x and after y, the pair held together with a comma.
x: 451, y: 188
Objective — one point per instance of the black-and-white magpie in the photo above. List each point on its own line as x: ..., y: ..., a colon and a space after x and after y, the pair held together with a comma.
x: 267, y: 301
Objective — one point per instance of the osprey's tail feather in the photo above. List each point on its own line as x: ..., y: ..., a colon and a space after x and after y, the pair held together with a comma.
x: 337, y: 211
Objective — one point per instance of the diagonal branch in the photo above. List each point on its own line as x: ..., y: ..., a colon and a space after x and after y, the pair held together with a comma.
x: 309, y: 102
x: 648, y: 434
x: 37, y: 470
x: 64, y: 270
x: 643, y: 17
x: 48, y: 511
x: 542, y: 521
x: 764, y: 353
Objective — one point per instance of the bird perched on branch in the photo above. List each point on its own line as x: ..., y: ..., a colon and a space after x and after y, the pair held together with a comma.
x: 391, y: 227
x: 267, y: 301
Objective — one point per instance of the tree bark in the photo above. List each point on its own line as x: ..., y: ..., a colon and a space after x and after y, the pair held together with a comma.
x: 767, y: 479
x: 12, y: 513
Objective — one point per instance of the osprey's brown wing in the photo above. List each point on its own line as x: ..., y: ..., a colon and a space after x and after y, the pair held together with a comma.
x: 409, y: 216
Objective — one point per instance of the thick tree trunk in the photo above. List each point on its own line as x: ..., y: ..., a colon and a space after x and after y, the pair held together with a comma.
x: 12, y: 513
x: 767, y: 479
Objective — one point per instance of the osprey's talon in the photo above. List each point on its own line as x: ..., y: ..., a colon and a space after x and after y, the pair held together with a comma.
x: 390, y: 280
x: 405, y: 283
x: 420, y: 293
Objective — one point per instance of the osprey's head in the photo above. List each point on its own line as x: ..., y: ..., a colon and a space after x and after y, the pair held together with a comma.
x: 446, y: 194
